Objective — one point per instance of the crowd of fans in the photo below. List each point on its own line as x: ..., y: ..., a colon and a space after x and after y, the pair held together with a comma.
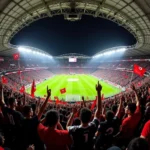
x: 118, y: 123
x: 72, y: 70
x: 25, y: 78
x: 122, y: 78
x: 11, y: 64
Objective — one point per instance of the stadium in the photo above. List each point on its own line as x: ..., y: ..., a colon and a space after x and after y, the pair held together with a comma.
x: 111, y: 83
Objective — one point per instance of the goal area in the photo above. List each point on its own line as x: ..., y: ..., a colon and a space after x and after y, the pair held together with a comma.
x: 73, y: 98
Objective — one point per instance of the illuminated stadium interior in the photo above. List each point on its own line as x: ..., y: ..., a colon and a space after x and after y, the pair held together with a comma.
x: 133, y: 16
x: 57, y: 86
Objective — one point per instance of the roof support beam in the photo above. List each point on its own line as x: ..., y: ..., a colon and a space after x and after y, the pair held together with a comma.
x: 97, y: 12
x: 85, y: 7
x: 28, y: 1
x: 47, y: 8
x: 60, y: 7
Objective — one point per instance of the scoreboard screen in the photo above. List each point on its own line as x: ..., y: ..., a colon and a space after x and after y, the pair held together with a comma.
x: 72, y: 59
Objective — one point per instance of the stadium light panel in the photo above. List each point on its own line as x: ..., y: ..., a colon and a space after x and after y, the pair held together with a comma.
x: 96, y: 56
x: 112, y: 52
x: 121, y: 50
x: 27, y: 50
x: 21, y: 49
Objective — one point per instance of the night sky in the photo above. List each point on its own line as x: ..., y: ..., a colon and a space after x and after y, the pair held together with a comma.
x: 87, y: 36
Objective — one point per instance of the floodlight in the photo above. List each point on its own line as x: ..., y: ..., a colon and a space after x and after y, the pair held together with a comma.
x: 113, y: 51
x: 121, y: 50
x: 21, y: 48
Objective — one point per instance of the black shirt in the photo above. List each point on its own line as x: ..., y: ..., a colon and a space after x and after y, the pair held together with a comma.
x: 106, y: 131
x: 30, y: 135
x: 13, y: 120
x: 83, y: 137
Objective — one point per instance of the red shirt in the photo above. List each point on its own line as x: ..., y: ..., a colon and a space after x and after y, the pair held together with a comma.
x: 129, y: 124
x: 54, y: 139
x: 146, y: 131
x: 1, y: 148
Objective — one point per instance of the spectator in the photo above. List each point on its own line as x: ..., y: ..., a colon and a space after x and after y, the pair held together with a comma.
x: 107, y: 129
x: 21, y: 124
x: 83, y: 134
x: 12, y: 124
x: 2, y: 140
x: 53, y: 135
x: 29, y: 130
x: 130, y: 123
x: 138, y: 144
x: 146, y: 132
x: 114, y: 148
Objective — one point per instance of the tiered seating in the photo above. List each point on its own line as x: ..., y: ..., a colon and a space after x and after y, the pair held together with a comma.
x: 27, y: 77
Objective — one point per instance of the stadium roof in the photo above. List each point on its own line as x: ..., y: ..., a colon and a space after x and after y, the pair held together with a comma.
x: 134, y: 15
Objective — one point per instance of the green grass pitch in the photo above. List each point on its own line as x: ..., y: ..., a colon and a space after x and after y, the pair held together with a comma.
x: 76, y: 86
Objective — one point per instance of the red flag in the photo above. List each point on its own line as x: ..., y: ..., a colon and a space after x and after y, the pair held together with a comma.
x: 139, y: 70
x: 4, y: 80
x: 33, y: 88
x: 62, y: 91
x: 57, y: 101
x: 16, y: 56
x: 22, y: 89
x: 94, y: 104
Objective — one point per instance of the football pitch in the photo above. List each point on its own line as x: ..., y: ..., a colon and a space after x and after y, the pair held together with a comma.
x: 76, y: 87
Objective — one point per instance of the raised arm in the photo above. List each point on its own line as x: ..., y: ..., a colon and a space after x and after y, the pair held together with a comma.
x: 104, y: 110
x: 119, y: 108
x: 99, y: 102
x: 136, y: 97
x: 44, y: 104
x: 70, y: 120
x: 38, y: 106
x: 83, y: 101
x: 2, y: 102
